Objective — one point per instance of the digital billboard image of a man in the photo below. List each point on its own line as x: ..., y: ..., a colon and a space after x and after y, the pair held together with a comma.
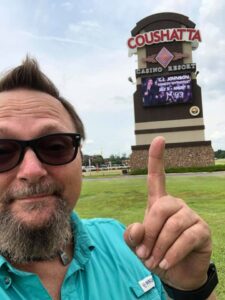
x: 150, y: 92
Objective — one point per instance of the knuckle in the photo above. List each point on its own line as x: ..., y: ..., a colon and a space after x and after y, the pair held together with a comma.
x: 173, y: 257
x: 205, y: 230
x: 175, y: 225
x: 181, y: 202
x: 191, y: 237
x: 158, y: 252
x: 153, y: 175
x: 150, y: 236
x: 159, y: 209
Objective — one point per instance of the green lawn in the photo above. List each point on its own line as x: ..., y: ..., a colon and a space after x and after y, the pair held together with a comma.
x: 124, y: 199
x: 102, y: 173
x: 220, y: 161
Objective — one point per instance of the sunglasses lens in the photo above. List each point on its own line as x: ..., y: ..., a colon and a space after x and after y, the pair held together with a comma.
x: 9, y: 155
x: 56, y: 149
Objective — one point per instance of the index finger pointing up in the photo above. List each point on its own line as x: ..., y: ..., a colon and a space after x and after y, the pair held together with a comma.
x: 156, y: 172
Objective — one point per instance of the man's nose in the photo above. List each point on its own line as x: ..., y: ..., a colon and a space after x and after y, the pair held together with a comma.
x: 31, y: 169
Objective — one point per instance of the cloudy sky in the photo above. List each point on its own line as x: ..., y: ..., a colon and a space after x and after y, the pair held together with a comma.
x: 81, y: 45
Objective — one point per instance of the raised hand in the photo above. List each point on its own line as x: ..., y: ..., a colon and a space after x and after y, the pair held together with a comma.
x: 173, y: 241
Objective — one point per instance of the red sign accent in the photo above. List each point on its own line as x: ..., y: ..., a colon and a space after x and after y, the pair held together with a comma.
x: 176, y: 56
x: 164, y: 35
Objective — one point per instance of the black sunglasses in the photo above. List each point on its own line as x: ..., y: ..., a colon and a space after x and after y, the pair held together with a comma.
x: 53, y: 149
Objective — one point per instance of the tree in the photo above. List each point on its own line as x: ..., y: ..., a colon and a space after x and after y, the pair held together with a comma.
x: 115, y: 159
x: 85, y: 160
x: 97, y: 160
x: 94, y: 160
x: 220, y: 154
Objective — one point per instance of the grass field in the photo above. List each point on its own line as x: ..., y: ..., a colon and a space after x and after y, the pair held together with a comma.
x: 125, y: 198
x: 102, y: 173
x: 220, y: 161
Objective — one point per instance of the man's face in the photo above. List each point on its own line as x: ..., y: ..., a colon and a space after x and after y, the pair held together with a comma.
x: 25, y: 115
x: 150, y: 82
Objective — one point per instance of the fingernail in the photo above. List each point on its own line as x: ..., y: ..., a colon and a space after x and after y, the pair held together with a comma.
x: 150, y: 263
x: 141, y: 251
x: 164, y: 264
x: 130, y: 238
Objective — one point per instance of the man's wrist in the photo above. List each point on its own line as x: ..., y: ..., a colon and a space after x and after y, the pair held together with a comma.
x: 201, y: 293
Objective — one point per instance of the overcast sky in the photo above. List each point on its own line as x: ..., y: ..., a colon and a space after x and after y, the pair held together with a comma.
x: 81, y: 45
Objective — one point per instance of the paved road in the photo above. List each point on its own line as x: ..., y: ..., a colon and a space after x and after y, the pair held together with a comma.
x: 219, y: 173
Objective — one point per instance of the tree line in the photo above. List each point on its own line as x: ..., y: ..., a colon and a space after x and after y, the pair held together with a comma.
x: 219, y: 154
x: 98, y: 160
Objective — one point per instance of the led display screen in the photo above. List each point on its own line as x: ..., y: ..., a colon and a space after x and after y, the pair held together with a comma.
x: 166, y: 90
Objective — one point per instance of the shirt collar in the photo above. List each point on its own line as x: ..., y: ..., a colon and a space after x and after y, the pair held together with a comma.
x: 83, y: 244
x: 3, y: 261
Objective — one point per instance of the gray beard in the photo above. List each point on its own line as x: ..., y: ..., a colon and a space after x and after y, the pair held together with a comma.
x: 21, y: 243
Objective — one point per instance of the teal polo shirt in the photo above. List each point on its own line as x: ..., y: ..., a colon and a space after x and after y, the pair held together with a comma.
x: 103, y: 268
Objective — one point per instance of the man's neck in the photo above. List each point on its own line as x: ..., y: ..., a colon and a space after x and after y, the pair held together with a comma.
x: 51, y: 272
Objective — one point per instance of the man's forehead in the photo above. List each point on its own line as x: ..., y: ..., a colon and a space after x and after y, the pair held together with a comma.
x: 44, y: 129
x: 20, y: 105
x: 28, y: 102
x: 21, y: 96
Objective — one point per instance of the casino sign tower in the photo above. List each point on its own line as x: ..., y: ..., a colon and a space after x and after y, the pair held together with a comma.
x: 167, y: 100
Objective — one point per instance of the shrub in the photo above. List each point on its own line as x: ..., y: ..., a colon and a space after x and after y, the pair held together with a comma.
x: 182, y: 170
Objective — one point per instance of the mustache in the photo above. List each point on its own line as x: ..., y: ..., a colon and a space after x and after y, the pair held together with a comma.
x: 47, y: 188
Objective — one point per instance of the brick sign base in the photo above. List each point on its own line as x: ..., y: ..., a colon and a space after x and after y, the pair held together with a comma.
x: 192, y: 156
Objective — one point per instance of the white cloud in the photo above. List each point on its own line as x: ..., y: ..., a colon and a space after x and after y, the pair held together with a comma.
x: 89, y: 141
x: 214, y: 121
x: 87, y: 11
x: 84, y: 26
x: 51, y: 38
x: 68, y: 5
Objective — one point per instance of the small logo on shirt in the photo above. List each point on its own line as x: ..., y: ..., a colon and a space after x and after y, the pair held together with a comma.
x: 147, y: 283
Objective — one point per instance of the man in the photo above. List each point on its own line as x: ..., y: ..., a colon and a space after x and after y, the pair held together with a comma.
x: 47, y: 252
x: 151, y: 93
